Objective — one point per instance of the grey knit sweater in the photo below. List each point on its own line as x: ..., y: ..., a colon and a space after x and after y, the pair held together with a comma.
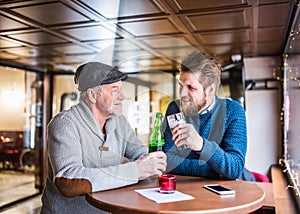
x: 78, y: 151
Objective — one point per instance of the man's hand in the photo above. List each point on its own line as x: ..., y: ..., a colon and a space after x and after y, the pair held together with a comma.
x: 186, y: 134
x: 154, y: 163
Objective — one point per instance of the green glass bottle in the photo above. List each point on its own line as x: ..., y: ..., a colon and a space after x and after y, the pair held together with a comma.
x: 156, y: 142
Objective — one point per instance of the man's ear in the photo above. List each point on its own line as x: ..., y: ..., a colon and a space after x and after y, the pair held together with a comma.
x: 91, y: 95
x: 210, y: 90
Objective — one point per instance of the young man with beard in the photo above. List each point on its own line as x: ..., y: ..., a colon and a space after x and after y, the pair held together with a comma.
x: 215, y: 135
x: 91, y: 146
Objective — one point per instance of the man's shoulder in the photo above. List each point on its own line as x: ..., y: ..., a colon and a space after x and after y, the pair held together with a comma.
x: 63, y: 115
x: 231, y: 107
x: 230, y: 103
x: 173, y: 107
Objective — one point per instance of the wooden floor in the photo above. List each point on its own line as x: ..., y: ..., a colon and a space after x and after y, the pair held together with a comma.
x: 15, y: 186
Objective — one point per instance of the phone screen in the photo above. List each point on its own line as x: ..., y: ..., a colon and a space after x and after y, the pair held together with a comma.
x: 219, y: 189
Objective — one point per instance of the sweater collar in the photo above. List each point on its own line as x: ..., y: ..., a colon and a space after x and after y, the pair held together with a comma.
x: 91, y: 122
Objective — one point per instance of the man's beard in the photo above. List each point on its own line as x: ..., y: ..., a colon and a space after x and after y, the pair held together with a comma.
x: 113, y: 111
x: 192, y: 108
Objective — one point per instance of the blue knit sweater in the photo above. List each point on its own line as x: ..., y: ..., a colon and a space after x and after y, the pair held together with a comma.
x: 225, y: 143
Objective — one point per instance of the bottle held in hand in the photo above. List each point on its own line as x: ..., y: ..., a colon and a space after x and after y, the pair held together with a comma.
x: 156, y: 142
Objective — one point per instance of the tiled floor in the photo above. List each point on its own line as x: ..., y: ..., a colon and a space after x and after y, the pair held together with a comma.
x: 16, y: 185
x: 30, y: 206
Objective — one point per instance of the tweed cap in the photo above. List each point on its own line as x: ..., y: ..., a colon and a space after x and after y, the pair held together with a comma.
x: 92, y: 74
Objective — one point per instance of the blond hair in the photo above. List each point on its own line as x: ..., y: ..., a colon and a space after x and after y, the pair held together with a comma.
x: 209, y: 69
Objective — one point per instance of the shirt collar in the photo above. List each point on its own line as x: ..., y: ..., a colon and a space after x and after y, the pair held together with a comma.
x: 209, y: 108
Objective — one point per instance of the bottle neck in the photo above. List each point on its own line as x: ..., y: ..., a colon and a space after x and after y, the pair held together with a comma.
x: 157, y: 123
x: 156, y: 137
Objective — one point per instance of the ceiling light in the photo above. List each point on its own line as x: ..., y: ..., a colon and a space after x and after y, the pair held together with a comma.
x: 236, y: 57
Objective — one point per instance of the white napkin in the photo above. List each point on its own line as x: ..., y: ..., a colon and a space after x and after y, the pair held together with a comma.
x: 155, y: 195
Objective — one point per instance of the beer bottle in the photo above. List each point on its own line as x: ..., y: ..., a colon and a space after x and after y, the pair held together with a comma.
x: 156, y: 142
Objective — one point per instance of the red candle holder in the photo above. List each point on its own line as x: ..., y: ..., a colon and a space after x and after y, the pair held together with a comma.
x: 167, y: 184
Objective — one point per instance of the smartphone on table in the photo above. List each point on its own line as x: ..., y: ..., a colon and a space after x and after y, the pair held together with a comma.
x: 217, y: 188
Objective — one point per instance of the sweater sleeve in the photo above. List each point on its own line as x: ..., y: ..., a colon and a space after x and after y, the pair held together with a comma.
x: 222, y: 156
x: 71, y: 176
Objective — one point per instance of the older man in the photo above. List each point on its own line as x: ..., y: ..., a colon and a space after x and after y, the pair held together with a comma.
x: 89, y: 143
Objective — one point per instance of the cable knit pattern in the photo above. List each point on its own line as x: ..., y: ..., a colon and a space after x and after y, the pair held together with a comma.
x: 74, y: 138
x: 225, y: 142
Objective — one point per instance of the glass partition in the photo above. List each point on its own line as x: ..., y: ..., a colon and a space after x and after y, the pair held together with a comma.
x: 291, y: 116
x: 20, y: 123
x: 145, y: 92
x: 143, y: 98
x: 65, y: 93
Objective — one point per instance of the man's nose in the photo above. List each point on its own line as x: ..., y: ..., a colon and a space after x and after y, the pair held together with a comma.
x: 121, y: 95
x: 184, y: 92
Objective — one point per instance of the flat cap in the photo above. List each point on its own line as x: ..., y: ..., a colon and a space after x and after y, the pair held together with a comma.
x: 92, y: 74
